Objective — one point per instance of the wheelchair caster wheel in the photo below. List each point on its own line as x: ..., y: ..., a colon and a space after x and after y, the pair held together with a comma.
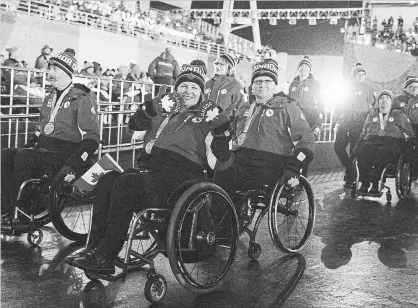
x: 35, y: 237
x: 388, y: 197
x: 254, y: 251
x: 155, y: 288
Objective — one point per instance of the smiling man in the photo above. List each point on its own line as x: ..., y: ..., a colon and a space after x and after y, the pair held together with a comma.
x: 67, y: 134
x: 266, y: 131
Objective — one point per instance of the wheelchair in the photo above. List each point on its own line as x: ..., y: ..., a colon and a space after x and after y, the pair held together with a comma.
x: 291, y: 214
x: 38, y: 203
x: 199, y: 236
x: 399, y: 169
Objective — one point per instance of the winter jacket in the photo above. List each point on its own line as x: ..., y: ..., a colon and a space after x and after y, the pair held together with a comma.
x: 185, y: 140
x: 162, y: 69
x: 272, y: 131
x: 360, y: 100
x: 306, y: 94
x: 409, y: 105
x: 397, y: 128
x: 41, y: 62
x: 226, y: 92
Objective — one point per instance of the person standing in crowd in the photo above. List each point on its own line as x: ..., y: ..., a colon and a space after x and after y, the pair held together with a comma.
x: 224, y: 89
x: 408, y: 103
x: 41, y: 62
x: 305, y: 92
x: 272, y: 134
x: 181, y: 138
x: 380, y: 142
x: 350, y: 117
x: 164, y: 69
x: 57, y: 146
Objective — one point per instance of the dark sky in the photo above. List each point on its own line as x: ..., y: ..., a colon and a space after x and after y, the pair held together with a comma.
x: 322, y: 39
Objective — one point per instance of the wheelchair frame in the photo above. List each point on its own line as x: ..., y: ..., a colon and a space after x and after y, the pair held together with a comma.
x: 402, y: 191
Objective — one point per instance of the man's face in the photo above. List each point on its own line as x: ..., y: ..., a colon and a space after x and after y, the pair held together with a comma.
x: 263, y: 87
x: 385, y: 103
x: 413, y: 89
x: 191, y: 93
x: 57, y: 77
x: 221, y: 66
x: 304, y: 70
x: 359, y: 77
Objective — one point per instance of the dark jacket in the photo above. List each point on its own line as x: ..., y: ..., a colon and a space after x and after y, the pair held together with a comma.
x: 273, y: 129
x: 185, y: 140
x: 407, y: 104
x: 41, y: 62
x: 226, y: 92
x: 19, y: 77
x: 164, y: 68
x: 396, y: 130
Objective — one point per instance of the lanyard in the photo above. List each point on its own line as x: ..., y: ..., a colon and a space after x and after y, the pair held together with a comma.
x: 383, y: 120
x: 162, y: 126
x: 250, y: 118
x: 57, y: 105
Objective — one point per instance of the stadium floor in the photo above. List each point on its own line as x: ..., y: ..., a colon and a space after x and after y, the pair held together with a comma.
x: 363, y: 253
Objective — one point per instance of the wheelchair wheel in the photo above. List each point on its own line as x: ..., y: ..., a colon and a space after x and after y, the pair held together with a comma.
x: 70, y: 212
x: 155, y: 288
x: 35, y: 237
x: 202, y: 237
x: 291, y: 215
x: 403, y: 178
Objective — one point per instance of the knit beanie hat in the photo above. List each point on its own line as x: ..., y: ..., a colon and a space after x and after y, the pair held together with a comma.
x: 409, y: 81
x: 358, y: 67
x: 306, y: 60
x: 200, y: 63
x: 268, y: 68
x: 231, y: 60
x: 191, y: 73
x: 66, y: 61
x: 385, y: 92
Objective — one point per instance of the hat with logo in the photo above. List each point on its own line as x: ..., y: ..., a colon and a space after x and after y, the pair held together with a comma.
x: 191, y: 73
x: 358, y: 67
x: 306, y: 60
x: 268, y: 68
x: 385, y: 92
x: 410, y: 80
x: 65, y: 61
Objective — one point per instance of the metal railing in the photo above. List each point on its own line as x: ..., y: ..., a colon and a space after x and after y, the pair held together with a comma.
x: 62, y: 14
x: 23, y: 91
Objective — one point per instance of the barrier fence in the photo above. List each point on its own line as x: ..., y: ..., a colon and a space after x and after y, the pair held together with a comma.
x: 75, y: 17
x: 22, y: 93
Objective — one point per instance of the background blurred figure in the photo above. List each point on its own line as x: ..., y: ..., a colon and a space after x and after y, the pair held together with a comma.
x: 164, y: 69
x: 41, y: 62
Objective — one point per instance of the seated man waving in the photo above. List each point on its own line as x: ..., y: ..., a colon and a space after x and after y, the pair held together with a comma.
x: 265, y: 134
x: 181, y: 138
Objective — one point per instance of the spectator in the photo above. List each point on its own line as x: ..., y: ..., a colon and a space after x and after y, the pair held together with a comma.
x: 416, y: 25
x: 88, y: 69
x: 41, y: 62
x: 164, y: 69
x: 119, y: 85
x: 97, y: 69
x: 414, y: 50
x: 400, y: 22
x: 390, y: 22
x: 2, y: 58
x: 219, y: 39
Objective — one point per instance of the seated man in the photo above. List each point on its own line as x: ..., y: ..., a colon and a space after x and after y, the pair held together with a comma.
x: 381, y: 141
x: 266, y: 131
x: 58, y: 143
x: 178, y: 144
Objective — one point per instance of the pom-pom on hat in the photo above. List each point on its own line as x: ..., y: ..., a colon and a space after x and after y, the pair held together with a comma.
x: 192, y: 73
x: 268, y: 68
x: 409, y: 81
x: 306, y: 60
x: 385, y: 92
x: 358, y: 67
x: 66, y: 61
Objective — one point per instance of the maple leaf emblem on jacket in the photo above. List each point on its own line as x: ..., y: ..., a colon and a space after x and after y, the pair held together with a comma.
x: 213, y: 113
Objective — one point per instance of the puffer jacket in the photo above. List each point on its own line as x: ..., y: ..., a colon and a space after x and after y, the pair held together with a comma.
x: 164, y: 68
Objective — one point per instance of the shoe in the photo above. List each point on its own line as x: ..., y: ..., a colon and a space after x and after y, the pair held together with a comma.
x: 95, y: 262
x: 375, y: 189
x: 69, y: 260
x: 364, y: 188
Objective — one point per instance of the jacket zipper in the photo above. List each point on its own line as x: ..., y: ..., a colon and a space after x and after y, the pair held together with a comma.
x: 184, y: 122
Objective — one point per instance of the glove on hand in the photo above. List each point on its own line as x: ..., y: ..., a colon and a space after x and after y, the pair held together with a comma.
x: 218, y: 119
x: 164, y: 103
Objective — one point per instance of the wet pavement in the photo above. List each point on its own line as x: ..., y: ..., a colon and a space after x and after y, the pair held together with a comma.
x: 362, y: 253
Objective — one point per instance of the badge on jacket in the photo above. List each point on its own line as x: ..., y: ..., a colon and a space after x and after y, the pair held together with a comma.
x: 390, y: 119
x: 197, y: 120
x: 223, y: 91
x: 306, y: 89
x: 269, y: 112
x: 66, y: 104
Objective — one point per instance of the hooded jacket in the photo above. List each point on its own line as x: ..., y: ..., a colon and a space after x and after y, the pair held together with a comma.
x: 164, y: 68
x: 396, y: 130
x: 408, y: 104
x: 274, y: 128
x: 185, y: 141
x: 226, y: 92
